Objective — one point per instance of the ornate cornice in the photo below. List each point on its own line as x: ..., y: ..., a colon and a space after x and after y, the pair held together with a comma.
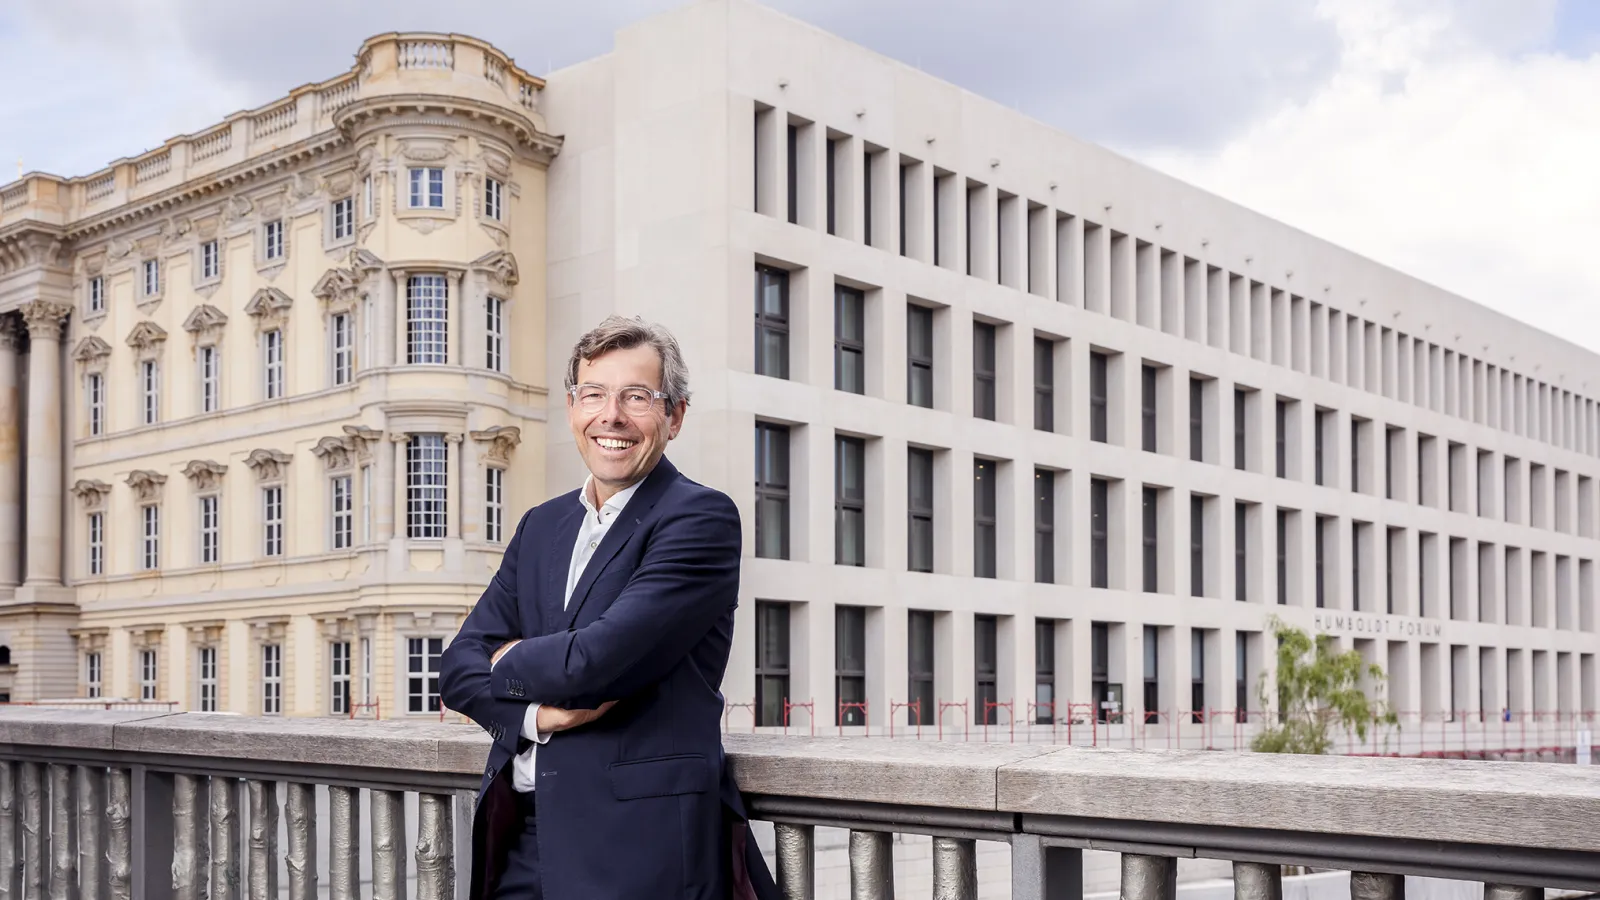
x: 338, y: 289
x: 44, y: 318
x: 268, y: 464
x: 269, y: 307
x: 459, y: 113
x: 33, y: 245
x: 92, y: 493
x: 92, y: 352
x: 362, y: 438
x: 147, y: 338
x: 146, y: 484
x: 499, y: 265
x: 204, y: 473
x: 501, y: 440
x: 335, y: 452
x: 204, y: 319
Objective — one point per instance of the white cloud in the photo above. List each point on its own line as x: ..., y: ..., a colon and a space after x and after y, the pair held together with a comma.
x: 1443, y: 147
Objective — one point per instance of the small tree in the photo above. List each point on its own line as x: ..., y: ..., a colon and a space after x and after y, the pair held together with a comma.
x: 1316, y: 693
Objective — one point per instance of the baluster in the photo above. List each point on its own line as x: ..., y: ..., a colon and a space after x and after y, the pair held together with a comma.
x: 224, y: 838
x: 10, y: 871
x: 263, y: 863
x: 1149, y: 877
x: 436, y: 875
x: 63, y: 834
x: 302, y: 860
x: 1374, y: 886
x: 191, y: 839
x: 955, y: 868
x: 344, y: 843
x: 1257, y: 881
x: 871, y: 865
x: 797, y: 861
x: 388, y: 845
x: 33, y: 836
x: 119, y: 849
x: 1511, y: 892
x: 90, y: 787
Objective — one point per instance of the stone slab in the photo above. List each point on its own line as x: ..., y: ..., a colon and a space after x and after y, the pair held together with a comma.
x: 400, y: 745
x: 78, y: 729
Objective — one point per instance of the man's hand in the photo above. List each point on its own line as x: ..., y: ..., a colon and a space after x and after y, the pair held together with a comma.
x: 553, y: 719
x: 502, y: 651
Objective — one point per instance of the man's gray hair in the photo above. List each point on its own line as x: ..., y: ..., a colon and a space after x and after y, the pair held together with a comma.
x: 622, y: 333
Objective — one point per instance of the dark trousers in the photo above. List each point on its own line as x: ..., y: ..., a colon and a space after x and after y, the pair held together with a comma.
x: 520, y: 880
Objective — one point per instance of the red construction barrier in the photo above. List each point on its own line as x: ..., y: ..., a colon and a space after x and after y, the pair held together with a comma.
x: 377, y: 710
x: 728, y: 708
x: 810, y: 706
x: 966, y: 728
x: 990, y: 707
x: 845, y: 708
x: 915, y: 706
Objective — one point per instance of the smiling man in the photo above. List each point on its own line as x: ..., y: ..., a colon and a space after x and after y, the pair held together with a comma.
x: 595, y: 657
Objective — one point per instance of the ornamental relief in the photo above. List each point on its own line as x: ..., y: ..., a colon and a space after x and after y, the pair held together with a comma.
x: 270, y: 308
x: 268, y: 465
x: 362, y: 438
x: 335, y: 452
x: 92, y: 493
x: 92, y: 353
x: 206, y: 323
x: 501, y: 440
x: 339, y: 290
x: 205, y: 474
x: 146, y: 484
x: 146, y: 339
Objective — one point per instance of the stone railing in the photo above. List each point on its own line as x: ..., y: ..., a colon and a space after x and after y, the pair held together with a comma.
x: 107, y: 804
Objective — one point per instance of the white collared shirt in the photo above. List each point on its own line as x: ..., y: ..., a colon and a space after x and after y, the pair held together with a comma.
x: 591, y: 531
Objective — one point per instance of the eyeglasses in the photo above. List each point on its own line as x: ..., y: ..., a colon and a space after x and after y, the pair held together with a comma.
x: 635, y: 401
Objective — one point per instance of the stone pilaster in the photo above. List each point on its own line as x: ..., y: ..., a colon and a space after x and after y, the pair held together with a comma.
x: 44, y: 319
x: 10, y: 456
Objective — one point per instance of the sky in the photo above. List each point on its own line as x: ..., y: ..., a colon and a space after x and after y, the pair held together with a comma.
x: 1455, y: 140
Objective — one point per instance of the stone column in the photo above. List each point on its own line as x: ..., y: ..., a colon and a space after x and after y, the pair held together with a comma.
x: 44, y: 320
x: 10, y: 457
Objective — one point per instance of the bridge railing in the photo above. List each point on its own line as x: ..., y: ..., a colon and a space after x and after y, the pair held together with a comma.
x: 150, y: 806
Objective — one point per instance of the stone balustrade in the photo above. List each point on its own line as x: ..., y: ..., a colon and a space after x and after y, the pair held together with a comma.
x: 152, y: 806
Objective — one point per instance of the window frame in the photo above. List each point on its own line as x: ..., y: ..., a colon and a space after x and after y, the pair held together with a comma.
x: 425, y: 186
x: 849, y: 501
x: 494, y: 336
x: 272, y: 679
x: 150, y: 391
x: 96, y: 542
x: 850, y: 673
x: 209, y: 361
x: 422, y: 674
x: 340, y: 679
x: 427, y: 319
x: 210, y: 531
x: 985, y: 349
x: 769, y: 671
x: 94, y: 386
x: 150, y: 537
x: 985, y: 518
x: 920, y: 355
x: 918, y: 511
x: 493, y: 199
x: 849, y: 339
x: 342, y: 219
x: 494, y: 481
x: 773, y: 486
x: 427, y: 486
x: 274, y: 241
x: 773, y: 325
x: 208, y: 691
x: 341, y: 515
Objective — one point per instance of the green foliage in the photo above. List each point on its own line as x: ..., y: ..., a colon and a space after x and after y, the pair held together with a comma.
x: 1317, y: 688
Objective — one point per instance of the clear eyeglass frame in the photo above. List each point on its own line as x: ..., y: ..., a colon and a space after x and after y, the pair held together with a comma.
x: 635, y: 400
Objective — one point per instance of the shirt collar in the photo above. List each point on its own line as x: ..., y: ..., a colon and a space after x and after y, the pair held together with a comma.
x: 617, y: 501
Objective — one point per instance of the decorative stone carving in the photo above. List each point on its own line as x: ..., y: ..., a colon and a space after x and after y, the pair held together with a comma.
x: 500, y: 266
x: 146, y: 484
x: 92, y: 493
x: 176, y: 230
x: 92, y: 352
x: 302, y: 186
x: 206, y: 474
x: 206, y: 321
x: 44, y: 318
x: 338, y: 289
x: 496, y: 163
x: 146, y: 339
x: 119, y: 247
x: 501, y: 440
x: 365, y: 262
x: 340, y: 183
x: 362, y: 438
x: 425, y: 150
x: 270, y: 308
x: 237, y: 208
x: 206, y: 226
x: 268, y: 464
x: 11, y: 333
x: 335, y: 452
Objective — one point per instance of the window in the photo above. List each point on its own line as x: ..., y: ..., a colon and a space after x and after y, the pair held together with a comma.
x: 95, y: 387
x: 1147, y: 408
x: 772, y: 322
x: 1241, y: 679
x: 1044, y: 384
x: 1097, y: 397
x: 984, y: 550
x: 344, y: 218
x: 830, y: 189
x: 1044, y: 671
x: 210, y: 261
x: 1319, y: 450
x: 210, y: 379
x: 850, y: 664
x: 1282, y: 437
x: 494, y: 498
x: 1197, y: 545
x: 1283, y: 557
x: 1357, y: 538
x: 150, y: 546
x: 339, y: 677
x: 1152, y: 670
x: 148, y: 674
x: 272, y: 520
x: 271, y: 679
x: 986, y: 667
x: 792, y: 136
x: 772, y: 663
x: 919, y: 665
x: 849, y: 340
x: 1044, y: 526
x: 1099, y: 536
x: 1239, y: 442
x: 493, y: 199
x: 1197, y: 426
x: 772, y: 491
x: 1321, y: 550
x: 94, y: 673
x: 494, y: 334
x: 366, y: 503
x: 427, y: 188
x: 97, y: 294
x: 983, y: 358
x: 427, y: 474
x: 150, y: 389
x: 1100, y: 670
x: 919, y: 356
x: 210, y: 530
x: 272, y: 246
x: 1355, y: 454
x: 1241, y: 557
x: 427, y: 320
x: 344, y: 349
x: 152, y: 277
x: 343, y: 524
x: 97, y: 543
x: 272, y: 364
x: 1197, y: 676
x: 1150, y: 504
x: 208, y: 679
x: 850, y: 501
x: 919, y: 495
x: 422, y: 673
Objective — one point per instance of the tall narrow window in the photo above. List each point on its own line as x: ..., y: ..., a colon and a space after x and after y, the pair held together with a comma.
x: 152, y: 277
x: 494, y: 504
x: 792, y: 155
x: 983, y: 360
x: 148, y: 675
x: 772, y: 491
x: 1147, y: 408
x: 1152, y: 669
x: 1197, y: 433
x: 150, y: 389
x: 1099, y: 535
x: 905, y: 181
x: 343, y: 513
x: 1197, y: 675
x: 1150, y: 503
x: 1321, y: 551
x: 850, y: 664
x: 366, y: 671
x: 344, y: 218
x: 272, y: 520
x: 1197, y: 545
x: 1355, y: 455
x: 1283, y: 557
x: 422, y: 673
x: 866, y: 198
x: 850, y: 501
x: 1044, y: 526
x: 919, y: 494
x: 984, y: 548
x: 1044, y: 671
x: 1319, y: 442
x: 97, y: 543
x: 210, y: 379
x: 272, y: 364
x: 366, y: 503
x: 272, y: 679
x: 493, y: 199
x: 427, y: 480
x: 210, y: 530
x: 1241, y: 676
x: 1239, y: 442
x: 849, y: 340
x: 95, y: 387
x: 97, y: 294
x: 1100, y: 670
x: 339, y: 678
x: 986, y: 669
x: 1097, y: 397
x: 920, y: 661
x: 427, y: 320
x: 772, y: 322
x: 1044, y: 384
x: 1241, y: 558
x: 1356, y: 540
x: 831, y: 189
x: 273, y: 236
x: 772, y: 663
x: 210, y: 260
x: 1388, y: 570
x: 343, y: 339
x: 494, y: 334
x: 94, y: 674
x: 150, y: 546
x: 919, y: 356
x: 1281, y: 412
x: 207, y: 672
x: 427, y: 188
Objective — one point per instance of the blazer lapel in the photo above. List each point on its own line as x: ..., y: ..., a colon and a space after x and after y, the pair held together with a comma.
x: 618, y: 534
x: 557, y: 561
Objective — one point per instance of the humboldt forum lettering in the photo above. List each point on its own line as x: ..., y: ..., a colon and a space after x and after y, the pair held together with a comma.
x: 1384, y: 626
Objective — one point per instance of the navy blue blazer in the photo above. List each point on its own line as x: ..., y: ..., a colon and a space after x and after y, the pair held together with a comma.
x: 639, y: 803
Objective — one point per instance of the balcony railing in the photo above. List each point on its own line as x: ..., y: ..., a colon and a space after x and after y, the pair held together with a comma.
x: 112, y: 804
